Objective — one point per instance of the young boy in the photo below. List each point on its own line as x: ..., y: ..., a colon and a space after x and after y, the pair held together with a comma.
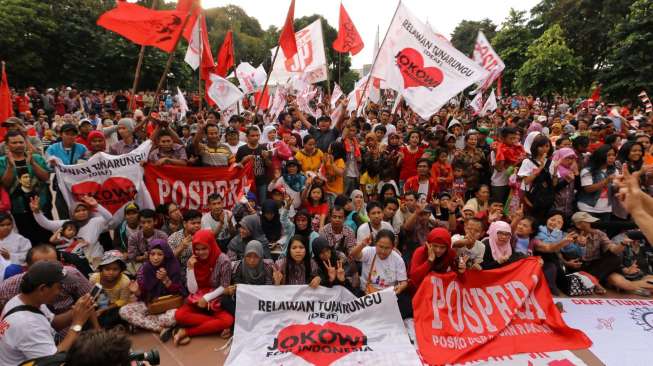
x: 138, y: 243
x: 127, y: 227
x: 219, y: 220
x: 115, y: 288
x: 469, y: 245
x: 459, y: 185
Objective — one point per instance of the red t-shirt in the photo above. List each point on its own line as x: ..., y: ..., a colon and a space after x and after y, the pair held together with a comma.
x: 409, y: 162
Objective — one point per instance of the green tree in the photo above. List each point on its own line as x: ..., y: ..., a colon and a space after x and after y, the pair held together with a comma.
x: 511, y: 43
x: 464, y: 35
x: 628, y: 68
x: 586, y: 26
x: 551, y: 67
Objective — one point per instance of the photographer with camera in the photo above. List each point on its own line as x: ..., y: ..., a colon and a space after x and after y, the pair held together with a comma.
x: 27, y: 327
x: 107, y: 348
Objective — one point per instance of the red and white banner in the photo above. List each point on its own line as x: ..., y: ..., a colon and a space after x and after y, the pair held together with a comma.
x: 477, y: 103
x: 189, y: 187
x: 309, y: 59
x: 113, y: 180
x: 481, y: 314
x: 297, y: 326
x: 426, y: 69
x: 485, y: 56
x: 250, y: 79
x: 490, y: 104
x: 223, y: 93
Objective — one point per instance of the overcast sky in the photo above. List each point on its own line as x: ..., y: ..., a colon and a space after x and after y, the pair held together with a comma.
x: 368, y: 14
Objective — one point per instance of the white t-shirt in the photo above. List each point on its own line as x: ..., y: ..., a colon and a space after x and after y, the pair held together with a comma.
x: 475, y: 253
x: 525, y: 170
x: 386, y: 272
x: 498, y: 179
x: 17, y: 245
x: 364, y: 230
x: 603, y: 204
x: 25, y: 335
x: 209, y: 223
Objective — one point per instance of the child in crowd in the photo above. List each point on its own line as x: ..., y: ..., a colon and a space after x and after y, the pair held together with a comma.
x: 138, y: 242
x: 469, y: 245
x: 71, y: 247
x: 459, y: 184
x: 115, y: 288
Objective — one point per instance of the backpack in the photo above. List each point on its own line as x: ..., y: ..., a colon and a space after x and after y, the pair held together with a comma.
x: 542, y: 194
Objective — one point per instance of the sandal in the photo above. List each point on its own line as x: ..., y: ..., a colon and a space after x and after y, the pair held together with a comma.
x: 166, y: 334
x: 180, y: 340
x: 226, y: 334
x: 599, y: 290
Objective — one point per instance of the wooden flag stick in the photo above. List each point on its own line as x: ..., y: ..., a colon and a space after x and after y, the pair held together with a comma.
x: 376, y: 57
x: 326, y: 56
x: 199, y: 78
x: 137, y: 74
x: 260, y: 97
x: 171, y: 57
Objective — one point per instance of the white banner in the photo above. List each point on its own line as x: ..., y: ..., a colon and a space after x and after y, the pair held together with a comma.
x: 424, y: 68
x: 335, y: 96
x: 485, y: 56
x: 490, y: 104
x: 298, y: 325
x: 621, y: 329
x: 222, y: 92
x: 193, y: 51
x: 310, y: 58
x: 477, y: 103
x: 113, y: 180
x: 250, y: 79
x: 561, y: 358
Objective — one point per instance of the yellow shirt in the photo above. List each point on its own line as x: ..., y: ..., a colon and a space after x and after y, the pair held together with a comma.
x: 310, y: 163
x: 336, y: 183
x: 119, y: 294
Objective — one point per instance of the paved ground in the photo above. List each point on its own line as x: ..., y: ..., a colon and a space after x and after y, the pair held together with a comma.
x: 205, y: 350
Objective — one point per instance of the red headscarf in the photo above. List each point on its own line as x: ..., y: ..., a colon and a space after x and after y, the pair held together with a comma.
x: 204, y: 267
x: 447, y: 260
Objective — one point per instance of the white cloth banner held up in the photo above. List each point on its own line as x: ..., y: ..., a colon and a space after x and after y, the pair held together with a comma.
x: 424, y: 68
x: 223, y: 93
x: 310, y: 58
x: 485, y: 56
x: 193, y: 51
x: 490, y: 104
x: 335, y: 96
x: 297, y: 325
x: 250, y: 79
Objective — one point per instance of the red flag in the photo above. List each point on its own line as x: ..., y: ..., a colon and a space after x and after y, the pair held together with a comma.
x: 264, y: 103
x: 207, y: 64
x: 225, y: 56
x: 348, y: 38
x: 596, y: 94
x: 143, y: 26
x: 185, y: 6
x: 499, y: 82
x: 6, y: 108
x: 287, y: 40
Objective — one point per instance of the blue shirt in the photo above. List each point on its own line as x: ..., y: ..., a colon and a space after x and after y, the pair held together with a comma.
x: 65, y: 154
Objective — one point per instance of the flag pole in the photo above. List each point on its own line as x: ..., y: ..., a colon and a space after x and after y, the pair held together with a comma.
x: 199, y: 78
x: 267, y: 79
x: 139, y: 65
x: 171, y: 57
x: 233, y: 50
x: 376, y: 57
x: 327, y: 61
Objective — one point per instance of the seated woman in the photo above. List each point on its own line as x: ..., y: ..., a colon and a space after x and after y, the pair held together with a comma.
x: 275, y: 225
x: 550, y: 242
x: 91, y: 218
x: 302, y: 226
x: 13, y: 246
x: 436, y: 255
x: 383, y: 267
x: 158, y: 276
x: 249, y: 229
x: 296, y: 267
x: 498, y: 247
x: 208, y: 277
x: 332, y: 266
x: 253, y: 269
x: 637, y: 264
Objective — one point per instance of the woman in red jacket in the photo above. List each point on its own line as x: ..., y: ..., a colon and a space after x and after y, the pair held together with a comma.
x: 435, y: 255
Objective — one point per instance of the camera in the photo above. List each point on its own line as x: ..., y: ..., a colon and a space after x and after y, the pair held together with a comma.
x: 152, y: 356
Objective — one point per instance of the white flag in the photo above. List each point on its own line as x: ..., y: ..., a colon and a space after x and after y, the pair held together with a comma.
x: 250, y: 79
x: 310, y: 58
x: 485, y: 56
x: 194, y: 50
x: 477, y: 103
x: 183, y: 106
x: 356, y: 96
x: 278, y: 103
x: 223, y: 93
x: 337, y: 93
x: 490, y: 104
x: 396, y: 103
x: 424, y: 68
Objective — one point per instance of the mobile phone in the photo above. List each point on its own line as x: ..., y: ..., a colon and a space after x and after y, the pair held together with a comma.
x: 96, y: 291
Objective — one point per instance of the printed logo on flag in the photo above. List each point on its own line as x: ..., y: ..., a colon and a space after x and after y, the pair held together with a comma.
x: 112, y: 194
x: 304, y: 56
x: 411, y: 66
x: 165, y: 28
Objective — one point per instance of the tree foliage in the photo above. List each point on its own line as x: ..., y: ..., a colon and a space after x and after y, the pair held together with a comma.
x: 464, y: 35
x: 511, y: 43
x: 628, y: 66
x: 551, y: 67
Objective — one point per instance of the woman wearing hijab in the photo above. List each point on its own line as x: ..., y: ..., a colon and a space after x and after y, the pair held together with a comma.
x: 250, y: 229
x: 271, y: 224
x: 302, y: 226
x: 253, y: 269
x: 159, y: 276
x: 564, y: 173
x: 208, y: 277
x: 498, y: 248
x: 436, y: 255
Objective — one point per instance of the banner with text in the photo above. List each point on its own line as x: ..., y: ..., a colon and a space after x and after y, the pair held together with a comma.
x: 480, y: 314
x: 190, y: 187
x: 113, y: 180
x: 298, y: 325
x: 621, y: 329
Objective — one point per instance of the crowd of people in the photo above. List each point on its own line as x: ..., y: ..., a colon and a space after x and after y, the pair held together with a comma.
x: 371, y: 201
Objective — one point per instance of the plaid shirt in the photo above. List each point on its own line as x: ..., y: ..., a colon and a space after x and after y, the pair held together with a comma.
x: 73, y: 286
x: 137, y: 244
x: 346, y: 237
x: 597, y: 243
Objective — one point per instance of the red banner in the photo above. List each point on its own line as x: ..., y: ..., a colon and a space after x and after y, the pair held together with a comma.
x: 481, y: 314
x: 190, y: 187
